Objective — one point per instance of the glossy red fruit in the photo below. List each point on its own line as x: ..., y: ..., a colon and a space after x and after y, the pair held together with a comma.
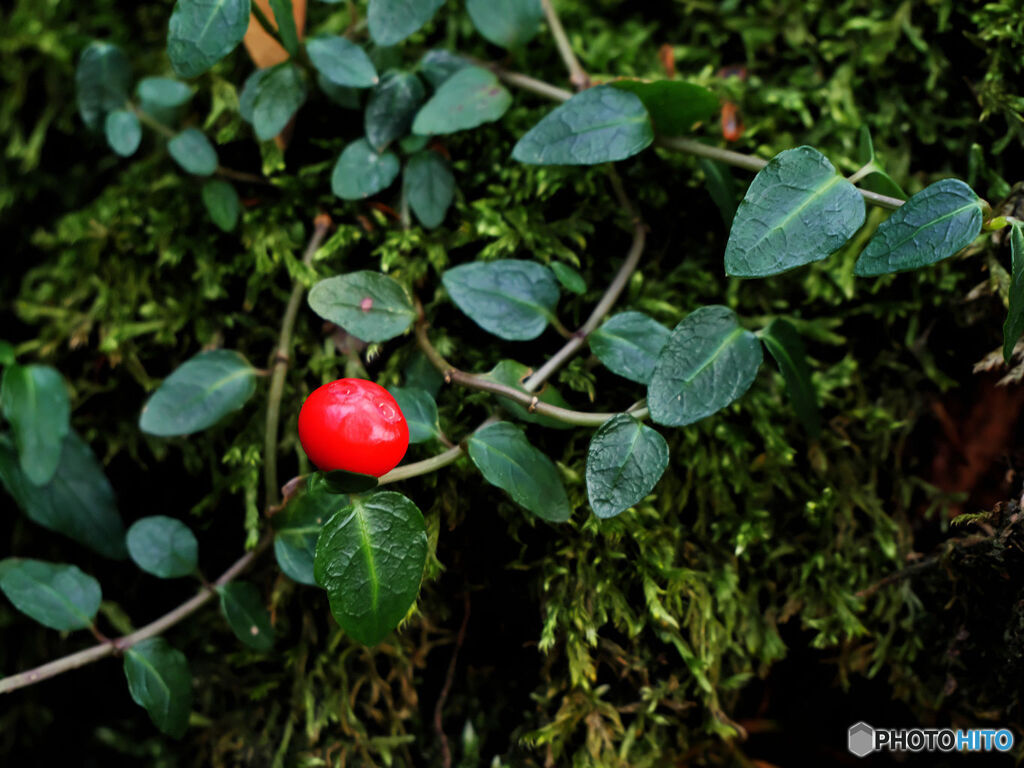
x: 355, y: 425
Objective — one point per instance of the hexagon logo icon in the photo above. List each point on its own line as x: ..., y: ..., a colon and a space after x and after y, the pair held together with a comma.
x: 860, y: 739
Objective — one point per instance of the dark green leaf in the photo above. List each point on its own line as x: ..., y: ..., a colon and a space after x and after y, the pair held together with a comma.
x: 412, y: 144
x: 162, y: 92
x: 298, y: 527
x: 797, y: 210
x: 159, y: 681
x: 163, y: 546
x: 7, y: 355
x: 341, y: 61
x: 785, y: 345
x: 438, y: 65
x: 510, y: 298
x: 193, y: 152
x: 882, y: 183
x: 1014, y: 325
x: 250, y: 89
x: 421, y: 374
x: 391, y: 21
x: 674, y: 106
x: 721, y: 187
x: 36, y: 403
x: 708, y: 362
x: 370, y: 559
x: 629, y: 344
x: 340, y: 481
x: 278, y: 97
x: 429, y: 187
x: 932, y: 225
x: 243, y: 607
x: 202, y: 32
x: 198, y: 394
x: 102, y: 80
x: 367, y: 304
x: 284, y: 15
x: 56, y: 595
x: 865, y: 146
x: 222, y: 203
x: 508, y: 23
x: 599, y: 125
x: 570, y: 279
x: 361, y: 172
x: 123, y: 131
x: 625, y: 460
x: 506, y: 459
x: 391, y: 108
x: 471, y: 97
x: 513, y: 374
x: 78, y: 502
x: 420, y: 412
x: 346, y: 98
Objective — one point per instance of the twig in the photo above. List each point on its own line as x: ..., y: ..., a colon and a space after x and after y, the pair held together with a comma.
x: 577, y: 75
x: 279, y: 364
x: 446, y: 755
x: 923, y: 565
x: 118, y: 646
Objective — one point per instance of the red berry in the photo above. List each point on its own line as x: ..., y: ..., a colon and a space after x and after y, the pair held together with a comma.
x: 355, y: 425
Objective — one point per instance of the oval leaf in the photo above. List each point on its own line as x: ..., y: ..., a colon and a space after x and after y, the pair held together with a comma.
x: 160, y: 682
x: 391, y: 108
x: 298, y: 527
x: 369, y: 305
x: 931, y: 226
x: 708, y: 362
x: 599, y: 125
x: 1014, y: 325
x: 361, y: 172
x: 279, y: 94
x: 420, y: 412
x: 391, y: 21
x: 163, y: 546
x: 342, y: 62
x: 198, y: 394
x: 471, y: 97
x: 102, y: 79
x: 506, y: 459
x: 510, y: 298
x: 508, y: 23
x: 438, y: 65
x: 370, y: 559
x: 78, y: 502
x: 513, y: 374
x: 797, y: 210
x: 202, y: 32
x: 570, y: 279
x: 123, y: 131
x: 341, y: 481
x: 56, y: 595
x: 629, y: 344
x: 674, y: 106
x: 162, y: 92
x: 625, y: 461
x: 243, y: 607
x: 785, y: 345
x: 36, y: 403
x: 250, y: 88
x: 193, y: 152
x: 222, y: 203
x: 429, y: 187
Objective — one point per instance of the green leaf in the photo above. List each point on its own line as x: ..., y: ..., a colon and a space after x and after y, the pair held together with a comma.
x: 159, y: 681
x: 786, y: 346
x: 341, y: 481
x: 78, y: 502
x: 721, y: 187
x: 391, y: 108
x: 931, y: 226
x: 202, y: 32
x: 507, y: 460
x: 1014, y: 325
x: 513, y: 374
x: 508, y: 23
x: 7, y: 355
x: 222, y: 203
x: 102, y: 79
x: 511, y: 298
x: 284, y: 15
x: 163, y: 546
x: 250, y: 89
x: 243, y: 607
x: 438, y: 65
x: 865, y: 146
x: 193, y: 152
x: 342, y: 62
x: 708, y: 362
x: 599, y: 125
x: 342, y: 96
x: 162, y: 93
x: 471, y: 97
x: 36, y: 403
x: 298, y: 527
x: 370, y: 559
x: 391, y: 21
x: 56, y: 595
x: 797, y: 210
x: 674, y: 106
x: 625, y: 461
x: 123, y: 131
x: 361, y: 172
x: 420, y: 412
x: 278, y: 97
x: 629, y: 344
x: 198, y: 394
x: 367, y: 304
x: 420, y: 373
x: 570, y: 279
x: 429, y: 187
x: 879, y: 181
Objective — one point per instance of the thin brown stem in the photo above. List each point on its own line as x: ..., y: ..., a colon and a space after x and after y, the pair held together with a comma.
x: 577, y: 75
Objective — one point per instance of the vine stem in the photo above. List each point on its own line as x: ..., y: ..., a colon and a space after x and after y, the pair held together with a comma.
x: 121, y: 644
x: 577, y: 75
x: 281, y: 357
